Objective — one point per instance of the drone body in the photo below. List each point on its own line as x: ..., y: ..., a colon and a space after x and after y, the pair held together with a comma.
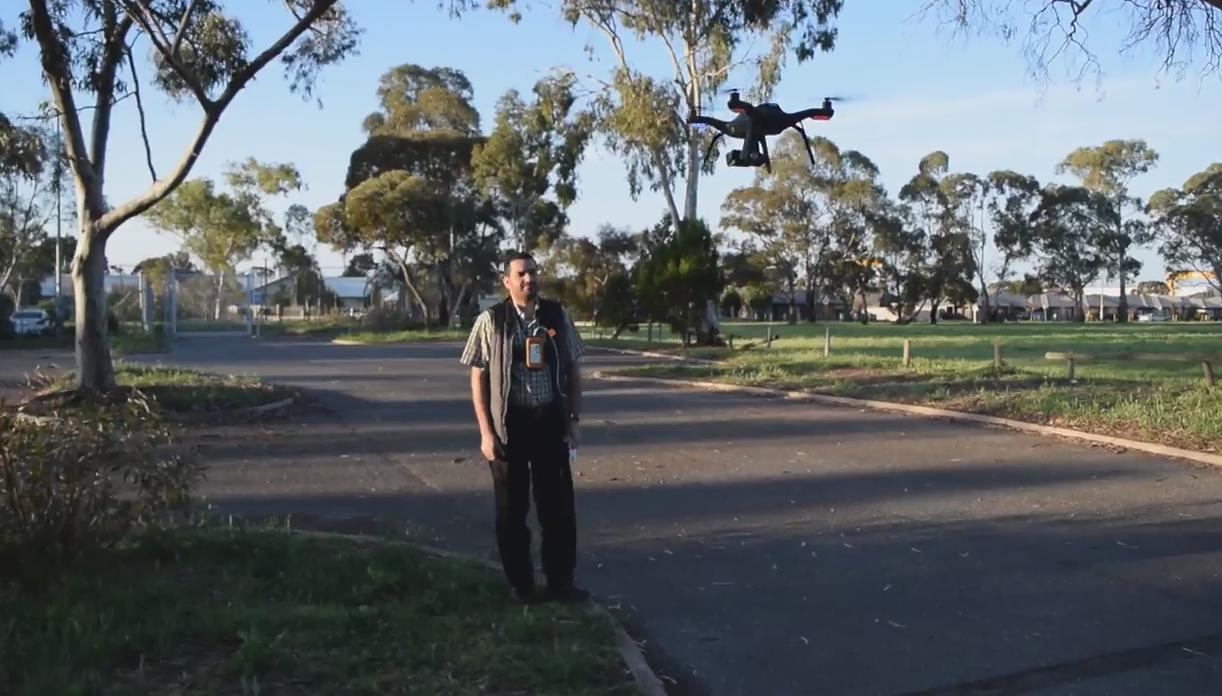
x: 754, y: 123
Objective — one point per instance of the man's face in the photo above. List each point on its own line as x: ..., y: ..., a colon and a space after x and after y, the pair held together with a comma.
x: 522, y: 280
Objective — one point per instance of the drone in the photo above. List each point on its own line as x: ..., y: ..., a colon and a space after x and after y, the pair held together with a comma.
x: 754, y: 123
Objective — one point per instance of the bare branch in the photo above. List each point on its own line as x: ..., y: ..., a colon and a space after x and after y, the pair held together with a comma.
x: 212, y: 114
x: 144, y: 133
x: 55, y: 68
x: 1175, y: 27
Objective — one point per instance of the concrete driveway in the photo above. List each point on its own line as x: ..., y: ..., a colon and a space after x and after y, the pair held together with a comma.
x: 764, y: 547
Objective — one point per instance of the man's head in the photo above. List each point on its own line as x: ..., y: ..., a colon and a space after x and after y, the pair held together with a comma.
x: 522, y: 278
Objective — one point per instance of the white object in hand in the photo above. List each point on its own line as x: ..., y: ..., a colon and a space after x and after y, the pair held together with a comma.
x: 572, y: 454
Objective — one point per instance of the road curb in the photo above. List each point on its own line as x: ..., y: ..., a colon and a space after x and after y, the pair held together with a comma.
x: 644, y: 676
x: 929, y: 412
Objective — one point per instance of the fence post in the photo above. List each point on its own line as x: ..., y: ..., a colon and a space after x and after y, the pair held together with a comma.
x: 171, y: 302
x: 1070, y: 365
x: 907, y: 352
x: 146, y: 303
x: 768, y: 337
x: 250, y: 302
x: 730, y: 341
x: 997, y: 361
x: 827, y: 341
x: 1209, y: 373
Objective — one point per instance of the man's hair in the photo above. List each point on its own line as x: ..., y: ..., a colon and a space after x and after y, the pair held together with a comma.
x: 517, y: 256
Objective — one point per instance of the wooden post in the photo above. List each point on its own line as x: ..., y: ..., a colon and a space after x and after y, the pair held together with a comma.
x: 827, y: 341
x: 1070, y: 364
x: 997, y: 361
x: 1209, y: 373
x: 769, y: 337
x: 907, y: 352
x: 730, y: 341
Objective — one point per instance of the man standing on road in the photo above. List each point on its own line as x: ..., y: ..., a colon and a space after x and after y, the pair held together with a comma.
x: 524, y: 357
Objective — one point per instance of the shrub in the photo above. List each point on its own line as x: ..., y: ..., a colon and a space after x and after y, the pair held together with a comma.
x: 84, y: 478
x: 387, y: 319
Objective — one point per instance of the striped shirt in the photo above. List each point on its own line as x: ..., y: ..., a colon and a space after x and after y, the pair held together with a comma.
x: 527, y: 387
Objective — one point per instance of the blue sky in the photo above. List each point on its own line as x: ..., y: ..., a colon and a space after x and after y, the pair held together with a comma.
x: 918, y: 90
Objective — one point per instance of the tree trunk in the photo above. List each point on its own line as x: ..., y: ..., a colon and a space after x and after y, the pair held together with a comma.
x: 933, y: 313
x: 220, y: 296
x: 692, y: 183
x: 1122, y: 311
x: 94, y: 370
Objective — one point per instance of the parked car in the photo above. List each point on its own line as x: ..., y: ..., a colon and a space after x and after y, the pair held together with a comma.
x: 30, y: 322
x: 1150, y: 316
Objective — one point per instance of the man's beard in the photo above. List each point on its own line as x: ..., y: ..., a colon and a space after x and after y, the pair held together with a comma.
x: 531, y: 293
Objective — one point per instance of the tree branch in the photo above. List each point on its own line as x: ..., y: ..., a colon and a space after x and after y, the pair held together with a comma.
x: 182, y: 27
x: 212, y: 114
x: 139, y: 12
x: 115, y: 33
x: 144, y: 133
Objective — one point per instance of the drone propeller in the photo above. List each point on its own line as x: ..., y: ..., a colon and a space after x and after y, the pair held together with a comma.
x: 840, y: 99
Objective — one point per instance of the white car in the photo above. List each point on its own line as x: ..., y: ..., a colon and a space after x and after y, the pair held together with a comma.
x: 1147, y: 316
x: 30, y: 322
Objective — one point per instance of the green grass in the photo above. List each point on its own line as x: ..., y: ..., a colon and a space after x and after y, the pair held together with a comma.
x: 221, y: 613
x: 183, y: 391
x: 951, y: 367
x: 137, y: 343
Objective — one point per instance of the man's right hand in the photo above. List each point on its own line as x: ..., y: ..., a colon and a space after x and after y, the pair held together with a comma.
x: 488, y: 446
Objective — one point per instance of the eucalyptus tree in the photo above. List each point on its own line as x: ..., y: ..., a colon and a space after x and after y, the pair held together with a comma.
x: 200, y: 52
x: 533, y: 151
x: 1108, y: 170
x: 1188, y: 221
x: 223, y: 228
x: 641, y: 114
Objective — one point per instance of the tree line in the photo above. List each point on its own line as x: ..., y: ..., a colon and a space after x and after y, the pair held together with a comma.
x: 201, y: 53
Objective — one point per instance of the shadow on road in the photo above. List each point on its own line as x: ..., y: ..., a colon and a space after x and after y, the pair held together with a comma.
x: 770, y: 547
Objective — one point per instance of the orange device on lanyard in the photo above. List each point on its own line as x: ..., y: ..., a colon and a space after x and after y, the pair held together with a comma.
x: 535, y: 359
x: 534, y: 353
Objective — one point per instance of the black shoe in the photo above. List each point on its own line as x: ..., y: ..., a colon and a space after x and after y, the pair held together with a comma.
x: 567, y: 593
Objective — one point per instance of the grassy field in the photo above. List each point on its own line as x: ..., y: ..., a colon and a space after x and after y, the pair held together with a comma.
x: 223, y: 612
x: 952, y: 367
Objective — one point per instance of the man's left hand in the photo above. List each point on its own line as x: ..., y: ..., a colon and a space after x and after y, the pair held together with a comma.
x: 574, y: 436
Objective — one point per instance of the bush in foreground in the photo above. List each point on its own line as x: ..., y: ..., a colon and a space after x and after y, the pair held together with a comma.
x: 81, y: 479
x: 218, y: 612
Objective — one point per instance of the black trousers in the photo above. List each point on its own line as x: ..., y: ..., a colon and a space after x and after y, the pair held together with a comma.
x: 535, y: 454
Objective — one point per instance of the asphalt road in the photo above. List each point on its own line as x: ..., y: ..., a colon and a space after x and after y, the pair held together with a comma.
x: 766, y: 547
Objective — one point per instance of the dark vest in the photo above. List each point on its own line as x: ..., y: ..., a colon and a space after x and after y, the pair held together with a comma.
x: 550, y: 315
